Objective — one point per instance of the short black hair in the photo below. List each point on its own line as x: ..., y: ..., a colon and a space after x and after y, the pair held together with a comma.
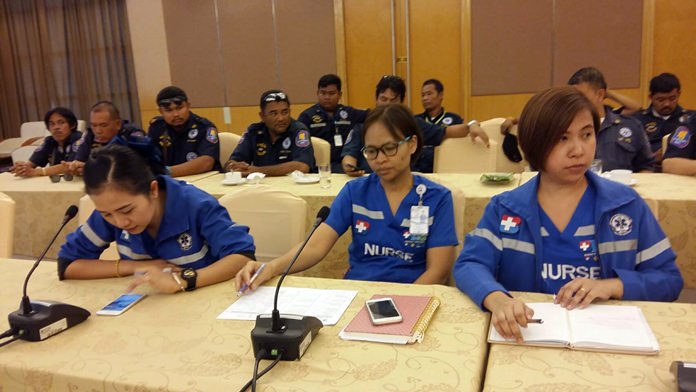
x: 66, y: 113
x: 171, y: 92
x: 664, y: 83
x: 106, y: 106
x: 436, y: 83
x: 273, y: 96
x: 391, y: 82
x: 328, y: 80
x: 589, y: 75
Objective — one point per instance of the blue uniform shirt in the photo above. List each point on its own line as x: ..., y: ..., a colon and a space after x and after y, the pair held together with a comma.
x: 681, y: 143
x: 433, y: 135
x: 198, y: 137
x: 195, y: 232
x: 87, y: 144
x: 256, y: 147
x: 622, y: 144
x: 383, y: 248
x: 444, y: 119
x: 657, y: 126
x: 572, y: 253
x: 334, y: 129
x: 51, y: 153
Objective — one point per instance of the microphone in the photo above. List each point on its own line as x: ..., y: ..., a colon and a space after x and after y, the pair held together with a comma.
x: 39, y: 320
x: 289, y: 335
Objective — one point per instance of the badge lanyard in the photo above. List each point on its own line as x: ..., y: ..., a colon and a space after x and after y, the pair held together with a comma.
x: 419, y: 214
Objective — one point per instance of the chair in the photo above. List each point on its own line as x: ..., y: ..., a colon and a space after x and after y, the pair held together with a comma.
x: 22, y: 154
x: 665, y: 141
x: 322, y: 151
x: 492, y: 128
x: 86, y: 208
x: 460, y: 155
x: 7, y: 219
x: 277, y: 219
x: 81, y: 125
x: 33, y: 129
x: 228, y: 142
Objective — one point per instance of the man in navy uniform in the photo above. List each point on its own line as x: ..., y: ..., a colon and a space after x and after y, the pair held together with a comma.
x: 432, y: 94
x: 105, y: 125
x: 277, y: 145
x: 680, y: 156
x: 664, y: 114
x: 392, y: 89
x: 188, y: 142
x: 330, y: 120
x: 621, y: 140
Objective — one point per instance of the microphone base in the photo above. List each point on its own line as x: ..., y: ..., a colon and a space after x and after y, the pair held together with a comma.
x: 46, y: 319
x: 292, y: 340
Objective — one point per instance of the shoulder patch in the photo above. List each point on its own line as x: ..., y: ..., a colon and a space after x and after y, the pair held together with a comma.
x: 302, y: 139
x: 211, y: 135
x: 681, y: 137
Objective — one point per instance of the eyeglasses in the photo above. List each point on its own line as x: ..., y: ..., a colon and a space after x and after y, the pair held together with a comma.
x: 275, y: 97
x: 56, y: 177
x: 388, y: 149
x: 178, y: 100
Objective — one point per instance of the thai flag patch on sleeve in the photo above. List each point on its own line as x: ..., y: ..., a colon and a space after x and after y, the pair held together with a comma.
x: 510, y: 224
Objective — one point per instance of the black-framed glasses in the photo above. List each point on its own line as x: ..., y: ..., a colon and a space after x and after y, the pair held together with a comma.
x: 56, y: 177
x: 279, y: 96
x: 388, y: 149
x: 178, y: 100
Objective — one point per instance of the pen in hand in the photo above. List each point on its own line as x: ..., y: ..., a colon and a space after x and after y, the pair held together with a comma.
x: 245, y: 286
x: 535, y: 321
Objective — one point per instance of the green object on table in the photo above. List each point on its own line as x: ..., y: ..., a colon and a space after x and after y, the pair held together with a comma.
x: 497, y: 178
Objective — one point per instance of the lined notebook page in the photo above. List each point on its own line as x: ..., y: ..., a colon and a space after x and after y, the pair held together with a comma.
x: 554, y: 328
x: 411, y: 307
x: 611, y: 326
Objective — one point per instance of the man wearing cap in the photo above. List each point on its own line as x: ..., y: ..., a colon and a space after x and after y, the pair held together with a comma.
x: 621, y: 141
x: 330, y: 120
x: 105, y: 125
x: 432, y: 95
x: 188, y: 142
x: 277, y: 145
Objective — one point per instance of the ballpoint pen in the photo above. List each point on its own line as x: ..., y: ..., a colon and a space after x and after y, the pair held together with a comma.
x: 245, y: 286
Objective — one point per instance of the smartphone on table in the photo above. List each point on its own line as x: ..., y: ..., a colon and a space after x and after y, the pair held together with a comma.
x: 383, y: 311
x: 120, y: 304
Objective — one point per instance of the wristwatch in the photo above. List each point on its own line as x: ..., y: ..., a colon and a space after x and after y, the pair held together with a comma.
x: 473, y: 122
x: 189, y: 275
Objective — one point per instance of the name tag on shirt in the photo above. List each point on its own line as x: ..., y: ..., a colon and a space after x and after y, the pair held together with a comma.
x: 338, y: 140
x: 419, y: 220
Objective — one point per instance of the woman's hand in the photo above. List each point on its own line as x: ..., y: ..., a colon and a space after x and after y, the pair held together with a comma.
x: 160, y: 279
x: 24, y: 169
x: 244, y: 275
x: 508, y: 315
x: 129, y: 267
x: 582, y: 292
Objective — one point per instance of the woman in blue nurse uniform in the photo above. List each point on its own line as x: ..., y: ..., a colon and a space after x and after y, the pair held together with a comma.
x: 567, y: 231
x: 174, y: 236
x: 402, y: 224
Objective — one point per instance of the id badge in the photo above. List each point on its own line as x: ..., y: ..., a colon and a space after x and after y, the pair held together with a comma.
x: 338, y: 140
x: 419, y: 220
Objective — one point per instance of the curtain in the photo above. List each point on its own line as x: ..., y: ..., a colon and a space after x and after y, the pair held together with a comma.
x: 69, y: 53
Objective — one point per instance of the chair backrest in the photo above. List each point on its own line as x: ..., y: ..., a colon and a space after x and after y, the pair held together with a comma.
x: 228, y: 142
x: 81, y: 125
x: 7, y: 222
x: 492, y: 128
x: 22, y: 154
x: 86, y: 208
x: 277, y: 219
x: 665, y: 140
x: 322, y: 151
x: 33, y: 129
x: 460, y: 155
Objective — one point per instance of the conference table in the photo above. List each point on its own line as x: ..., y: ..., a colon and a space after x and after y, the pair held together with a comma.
x: 175, y: 343
x: 522, y: 368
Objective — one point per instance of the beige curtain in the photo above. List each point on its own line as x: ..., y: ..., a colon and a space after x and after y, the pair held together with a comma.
x: 63, y: 53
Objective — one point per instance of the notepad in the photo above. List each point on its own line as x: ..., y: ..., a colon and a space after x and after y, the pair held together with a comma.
x: 417, y: 311
x: 326, y: 305
x: 607, y: 328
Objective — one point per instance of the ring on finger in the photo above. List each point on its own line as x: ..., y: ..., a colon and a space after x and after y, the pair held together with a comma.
x: 584, y: 290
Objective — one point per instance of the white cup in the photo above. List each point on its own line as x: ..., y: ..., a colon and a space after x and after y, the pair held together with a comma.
x: 233, y: 176
x: 622, y: 176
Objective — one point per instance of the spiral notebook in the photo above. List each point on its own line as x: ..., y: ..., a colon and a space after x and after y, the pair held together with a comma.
x: 417, y: 311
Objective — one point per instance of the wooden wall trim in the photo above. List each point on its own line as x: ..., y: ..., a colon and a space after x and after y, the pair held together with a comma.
x: 647, y: 52
x: 340, y: 37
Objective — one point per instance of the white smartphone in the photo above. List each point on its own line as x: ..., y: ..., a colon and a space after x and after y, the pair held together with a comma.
x: 120, y: 304
x: 383, y: 311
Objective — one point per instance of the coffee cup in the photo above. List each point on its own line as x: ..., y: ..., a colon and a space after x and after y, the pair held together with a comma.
x: 622, y: 176
x: 233, y: 176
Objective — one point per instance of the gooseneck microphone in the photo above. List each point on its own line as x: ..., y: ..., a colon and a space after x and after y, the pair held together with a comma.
x: 289, y: 335
x: 39, y: 320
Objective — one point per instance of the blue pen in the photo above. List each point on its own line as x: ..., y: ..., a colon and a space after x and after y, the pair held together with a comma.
x: 245, y: 286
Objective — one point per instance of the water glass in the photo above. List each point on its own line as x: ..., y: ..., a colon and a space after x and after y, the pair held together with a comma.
x: 596, y: 166
x: 324, y: 176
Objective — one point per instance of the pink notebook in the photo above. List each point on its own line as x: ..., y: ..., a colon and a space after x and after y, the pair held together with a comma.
x: 415, y: 310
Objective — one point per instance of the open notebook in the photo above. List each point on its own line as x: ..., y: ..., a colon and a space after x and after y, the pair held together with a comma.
x: 608, y: 328
x: 417, y: 311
